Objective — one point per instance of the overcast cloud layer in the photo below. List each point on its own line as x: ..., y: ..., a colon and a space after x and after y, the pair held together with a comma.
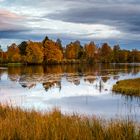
x: 113, y: 21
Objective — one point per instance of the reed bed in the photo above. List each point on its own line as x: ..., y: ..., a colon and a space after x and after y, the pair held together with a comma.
x: 16, y: 124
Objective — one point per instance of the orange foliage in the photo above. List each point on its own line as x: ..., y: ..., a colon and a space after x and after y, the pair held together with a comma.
x: 52, y: 51
x: 34, y: 53
x: 90, y: 50
x: 13, y: 53
x: 72, y: 50
x: 106, y: 53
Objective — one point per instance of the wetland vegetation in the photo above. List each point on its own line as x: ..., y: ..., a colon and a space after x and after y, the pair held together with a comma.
x: 128, y: 87
x: 16, y: 124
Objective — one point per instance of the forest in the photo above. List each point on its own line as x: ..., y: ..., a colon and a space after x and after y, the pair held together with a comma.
x: 53, y: 52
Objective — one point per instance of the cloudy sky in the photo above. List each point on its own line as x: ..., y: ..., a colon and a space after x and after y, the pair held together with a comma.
x: 113, y: 21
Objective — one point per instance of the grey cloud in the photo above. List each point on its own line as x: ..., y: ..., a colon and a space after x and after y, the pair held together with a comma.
x: 14, y: 34
x: 125, y: 17
x: 122, y: 14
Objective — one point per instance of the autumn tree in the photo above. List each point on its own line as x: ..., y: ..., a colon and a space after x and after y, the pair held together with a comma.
x: 52, y: 51
x: 44, y: 40
x: 1, y: 55
x: 13, y: 53
x: 123, y: 56
x: 105, y: 53
x: 134, y: 56
x: 79, y: 50
x: 91, y: 51
x: 70, y: 51
x: 34, y: 52
x: 73, y: 50
x: 22, y: 47
x: 115, y: 52
x: 59, y: 43
x: 5, y: 57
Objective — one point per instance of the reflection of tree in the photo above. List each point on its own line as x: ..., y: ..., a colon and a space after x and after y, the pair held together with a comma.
x: 105, y: 78
x: 73, y: 79
x: 14, y: 73
x: 91, y: 70
x: 52, y: 84
x: 30, y: 76
x: 135, y: 70
x: 73, y: 73
x: 100, y: 85
x: 76, y: 82
x: 90, y: 79
x: 75, y: 69
x: 50, y: 75
x: 32, y: 70
x: 28, y: 85
x: 106, y: 66
x: 1, y: 72
x: 124, y: 68
x: 53, y: 69
x: 26, y: 73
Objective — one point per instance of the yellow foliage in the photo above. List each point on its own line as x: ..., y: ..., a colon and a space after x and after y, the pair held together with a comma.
x: 13, y: 53
x: 34, y: 52
x: 90, y: 50
x: 52, y: 51
x: 72, y: 50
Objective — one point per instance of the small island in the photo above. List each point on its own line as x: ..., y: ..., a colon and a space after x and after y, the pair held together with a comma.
x: 129, y: 87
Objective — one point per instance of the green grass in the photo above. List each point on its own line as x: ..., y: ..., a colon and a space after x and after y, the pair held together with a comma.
x: 14, y: 64
x: 16, y: 124
x: 128, y: 87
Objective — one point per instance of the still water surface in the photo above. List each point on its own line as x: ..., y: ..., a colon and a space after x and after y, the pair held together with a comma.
x: 72, y: 88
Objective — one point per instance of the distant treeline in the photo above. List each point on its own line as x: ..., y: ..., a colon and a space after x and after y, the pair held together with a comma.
x: 52, y: 52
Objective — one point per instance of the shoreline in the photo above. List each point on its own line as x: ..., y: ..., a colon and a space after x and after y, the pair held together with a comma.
x: 71, y: 62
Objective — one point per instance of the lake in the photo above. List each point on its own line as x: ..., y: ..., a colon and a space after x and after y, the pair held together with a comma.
x: 82, y: 89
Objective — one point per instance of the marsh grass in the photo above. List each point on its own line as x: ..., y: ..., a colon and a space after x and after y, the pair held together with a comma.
x: 128, y: 87
x: 16, y: 124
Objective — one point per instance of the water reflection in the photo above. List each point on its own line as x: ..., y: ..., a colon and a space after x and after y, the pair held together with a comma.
x: 80, y: 88
x: 52, y: 84
x: 51, y: 75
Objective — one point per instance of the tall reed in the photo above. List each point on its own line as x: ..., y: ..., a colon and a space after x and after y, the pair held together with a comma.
x: 16, y: 124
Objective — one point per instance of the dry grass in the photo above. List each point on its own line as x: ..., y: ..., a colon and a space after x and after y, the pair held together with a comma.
x: 16, y: 124
x: 128, y: 87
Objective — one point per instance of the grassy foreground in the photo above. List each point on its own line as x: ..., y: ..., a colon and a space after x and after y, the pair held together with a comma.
x: 128, y: 87
x: 16, y: 124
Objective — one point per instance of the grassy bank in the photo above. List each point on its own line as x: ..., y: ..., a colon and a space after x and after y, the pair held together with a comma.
x: 128, y: 87
x: 16, y: 124
x: 11, y: 64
